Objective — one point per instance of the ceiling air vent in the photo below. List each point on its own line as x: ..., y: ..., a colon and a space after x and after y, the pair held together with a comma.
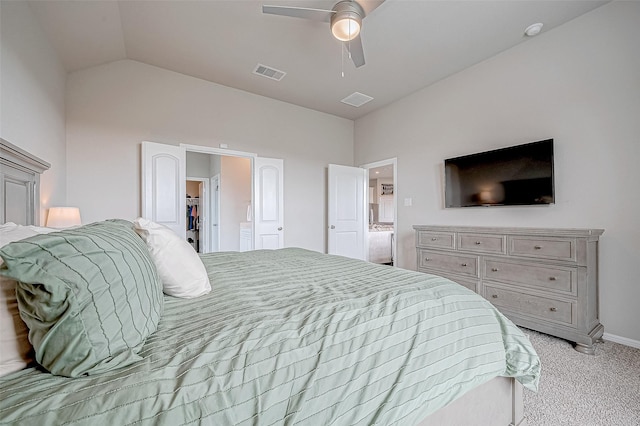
x: 356, y: 99
x: 269, y: 72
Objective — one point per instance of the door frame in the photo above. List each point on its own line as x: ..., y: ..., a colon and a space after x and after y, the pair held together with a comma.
x: 388, y: 162
x: 229, y: 153
x: 214, y: 204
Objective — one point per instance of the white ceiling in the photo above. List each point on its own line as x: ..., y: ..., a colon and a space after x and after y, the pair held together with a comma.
x: 408, y: 44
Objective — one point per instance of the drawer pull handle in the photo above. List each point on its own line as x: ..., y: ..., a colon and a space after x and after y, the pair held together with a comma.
x: 495, y: 296
x: 494, y: 269
x: 463, y: 264
x: 478, y: 243
x: 537, y: 247
x: 434, y: 239
x: 426, y: 259
x: 552, y: 309
x: 552, y: 278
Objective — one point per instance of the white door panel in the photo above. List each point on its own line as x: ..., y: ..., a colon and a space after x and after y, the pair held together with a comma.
x: 347, y: 211
x: 270, y: 242
x: 163, y: 185
x: 269, y: 203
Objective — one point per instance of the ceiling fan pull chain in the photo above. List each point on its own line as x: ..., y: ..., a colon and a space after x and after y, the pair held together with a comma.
x: 342, y: 59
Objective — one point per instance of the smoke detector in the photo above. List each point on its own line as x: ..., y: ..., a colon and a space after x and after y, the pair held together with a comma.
x: 533, y: 29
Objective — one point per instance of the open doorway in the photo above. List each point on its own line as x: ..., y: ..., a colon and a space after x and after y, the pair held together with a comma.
x: 219, y: 213
x: 382, y: 202
x: 196, y: 202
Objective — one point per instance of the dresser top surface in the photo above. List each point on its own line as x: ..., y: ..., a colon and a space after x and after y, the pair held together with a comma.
x: 560, y: 232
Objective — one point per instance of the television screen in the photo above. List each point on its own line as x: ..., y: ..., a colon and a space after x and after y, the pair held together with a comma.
x: 518, y: 175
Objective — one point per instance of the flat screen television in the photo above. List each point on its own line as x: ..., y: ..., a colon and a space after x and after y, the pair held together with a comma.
x: 515, y: 176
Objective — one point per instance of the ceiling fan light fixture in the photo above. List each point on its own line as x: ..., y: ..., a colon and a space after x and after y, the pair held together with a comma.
x: 347, y: 20
x: 345, y: 29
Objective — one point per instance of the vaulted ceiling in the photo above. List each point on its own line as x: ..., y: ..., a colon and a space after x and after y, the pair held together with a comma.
x: 408, y: 44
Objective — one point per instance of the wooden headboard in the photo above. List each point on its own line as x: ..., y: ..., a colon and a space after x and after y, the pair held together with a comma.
x: 20, y: 185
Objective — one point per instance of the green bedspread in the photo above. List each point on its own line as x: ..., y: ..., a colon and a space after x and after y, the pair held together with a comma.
x: 293, y: 337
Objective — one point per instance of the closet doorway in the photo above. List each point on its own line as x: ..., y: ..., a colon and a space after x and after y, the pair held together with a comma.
x: 218, y: 202
x: 196, y: 191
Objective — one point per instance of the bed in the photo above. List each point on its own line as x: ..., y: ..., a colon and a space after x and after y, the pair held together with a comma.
x: 291, y: 336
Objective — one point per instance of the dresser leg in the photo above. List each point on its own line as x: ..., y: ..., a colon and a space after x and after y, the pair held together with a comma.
x: 584, y: 348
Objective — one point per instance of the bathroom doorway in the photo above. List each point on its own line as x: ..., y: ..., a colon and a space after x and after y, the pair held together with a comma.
x: 382, y: 209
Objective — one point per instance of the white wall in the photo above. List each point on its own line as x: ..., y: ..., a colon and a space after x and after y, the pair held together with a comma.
x: 578, y: 84
x: 235, y: 195
x: 32, y: 87
x: 198, y: 165
x: 113, y: 107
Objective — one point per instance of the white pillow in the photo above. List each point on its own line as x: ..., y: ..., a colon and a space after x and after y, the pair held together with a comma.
x: 181, y: 271
x: 15, y: 348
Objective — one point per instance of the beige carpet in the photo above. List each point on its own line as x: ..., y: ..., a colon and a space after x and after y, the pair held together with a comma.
x: 584, y: 390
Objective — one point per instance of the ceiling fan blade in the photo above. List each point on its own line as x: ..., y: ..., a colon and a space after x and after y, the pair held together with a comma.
x: 357, y: 53
x: 299, y: 12
x: 369, y: 5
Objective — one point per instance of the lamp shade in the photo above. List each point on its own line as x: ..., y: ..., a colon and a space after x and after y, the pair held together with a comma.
x: 63, y: 217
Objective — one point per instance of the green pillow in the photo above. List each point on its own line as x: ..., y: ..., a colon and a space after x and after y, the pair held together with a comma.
x: 90, y: 296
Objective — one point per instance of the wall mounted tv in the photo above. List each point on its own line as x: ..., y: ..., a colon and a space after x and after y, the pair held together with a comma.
x: 515, y: 176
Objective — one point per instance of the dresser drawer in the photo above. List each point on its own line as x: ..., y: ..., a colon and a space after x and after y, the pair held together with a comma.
x: 493, y: 244
x: 471, y: 284
x: 468, y: 282
x: 448, y: 263
x: 436, y: 239
x: 557, y: 278
x: 544, y: 308
x: 543, y: 247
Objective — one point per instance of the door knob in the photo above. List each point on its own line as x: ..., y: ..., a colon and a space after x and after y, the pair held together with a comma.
x: 332, y: 227
x: 280, y: 228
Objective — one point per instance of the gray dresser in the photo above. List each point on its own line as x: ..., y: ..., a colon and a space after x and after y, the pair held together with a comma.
x: 541, y: 278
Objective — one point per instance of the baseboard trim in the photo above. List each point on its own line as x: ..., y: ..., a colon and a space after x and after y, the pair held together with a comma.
x: 621, y: 340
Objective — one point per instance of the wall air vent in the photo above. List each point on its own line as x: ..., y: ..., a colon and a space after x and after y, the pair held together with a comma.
x: 356, y: 99
x: 269, y: 72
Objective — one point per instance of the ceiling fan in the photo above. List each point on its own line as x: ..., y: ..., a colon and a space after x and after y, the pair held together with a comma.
x: 345, y: 18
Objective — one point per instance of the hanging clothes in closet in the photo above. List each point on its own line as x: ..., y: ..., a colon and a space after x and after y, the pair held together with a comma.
x: 193, y: 219
x: 193, y: 223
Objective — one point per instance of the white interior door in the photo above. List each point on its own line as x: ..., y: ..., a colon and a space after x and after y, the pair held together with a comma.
x: 347, y: 211
x: 268, y: 203
x: 214, y: 213
x: 163, y: 185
